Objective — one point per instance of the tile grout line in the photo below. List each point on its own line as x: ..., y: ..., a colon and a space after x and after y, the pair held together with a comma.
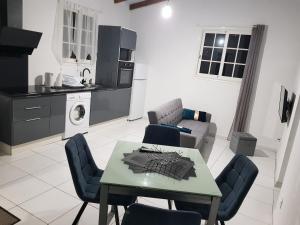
x: 254, y: 218
x: 223, y: 152
x: 28, y: 213
x: 63, y: 214
x: 19, y: 205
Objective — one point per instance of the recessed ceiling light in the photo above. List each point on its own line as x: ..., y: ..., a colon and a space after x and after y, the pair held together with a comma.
x: 166, y: 11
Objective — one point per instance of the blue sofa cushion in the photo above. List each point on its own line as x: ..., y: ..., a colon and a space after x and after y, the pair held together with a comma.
x: 188, y: 114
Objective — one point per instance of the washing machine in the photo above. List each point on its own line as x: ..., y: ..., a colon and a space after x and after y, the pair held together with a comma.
x: 77, y: 113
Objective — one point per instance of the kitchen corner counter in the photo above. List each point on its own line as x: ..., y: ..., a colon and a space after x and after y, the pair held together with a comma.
x: 40, y: 90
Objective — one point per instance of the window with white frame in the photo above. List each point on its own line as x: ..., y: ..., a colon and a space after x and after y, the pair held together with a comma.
x: 224, y: 53
x: 79, y: 31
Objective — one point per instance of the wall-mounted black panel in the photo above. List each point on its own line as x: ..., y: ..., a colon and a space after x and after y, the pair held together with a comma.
x: 15, y: 13
x: 14, y: 71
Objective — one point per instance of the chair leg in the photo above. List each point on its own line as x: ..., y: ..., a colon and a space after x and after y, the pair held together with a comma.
x: 116, y: 215
x: 77, y: 218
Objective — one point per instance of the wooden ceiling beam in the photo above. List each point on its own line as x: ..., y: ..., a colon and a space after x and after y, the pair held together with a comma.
x: 118, y: 1
x: 144, y: 3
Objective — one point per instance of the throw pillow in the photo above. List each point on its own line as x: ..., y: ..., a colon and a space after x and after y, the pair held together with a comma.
x: 189, y: 114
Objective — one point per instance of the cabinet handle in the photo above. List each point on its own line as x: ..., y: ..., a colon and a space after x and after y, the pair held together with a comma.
x: 31, y: 108
x: 34, y: 119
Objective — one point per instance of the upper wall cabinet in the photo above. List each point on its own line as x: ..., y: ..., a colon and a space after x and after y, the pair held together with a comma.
x: 128, y: 39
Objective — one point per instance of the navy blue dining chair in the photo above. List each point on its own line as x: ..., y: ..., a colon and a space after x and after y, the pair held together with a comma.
x: 162, y: 135
x: 86, y: 177
x: 138, y: 214
x: 234, y: 182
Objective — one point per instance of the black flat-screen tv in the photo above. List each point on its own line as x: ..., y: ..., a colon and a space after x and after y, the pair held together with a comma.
x: 283, y: 105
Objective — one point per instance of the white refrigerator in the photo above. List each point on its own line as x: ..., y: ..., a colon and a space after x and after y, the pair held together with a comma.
x: 138, y: 92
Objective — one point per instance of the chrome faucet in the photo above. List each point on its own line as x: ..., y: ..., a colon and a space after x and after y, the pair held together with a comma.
x: 83, y: 81
x: 85, y: 70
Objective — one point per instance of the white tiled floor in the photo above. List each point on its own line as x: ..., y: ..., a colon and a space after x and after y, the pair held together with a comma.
x: 36, y: 185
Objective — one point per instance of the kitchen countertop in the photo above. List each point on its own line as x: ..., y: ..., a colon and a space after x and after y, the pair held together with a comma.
x: 37, y: 90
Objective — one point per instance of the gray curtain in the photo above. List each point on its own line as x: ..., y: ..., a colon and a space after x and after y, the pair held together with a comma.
x: 250, y: 73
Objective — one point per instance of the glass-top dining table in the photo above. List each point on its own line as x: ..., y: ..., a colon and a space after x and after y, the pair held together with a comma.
x: 119, y: 179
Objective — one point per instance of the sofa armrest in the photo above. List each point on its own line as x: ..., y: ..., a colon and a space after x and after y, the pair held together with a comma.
x: 212, y: 130
x: 152, y: 116
x: 187, y: 140
x: 208, y: 117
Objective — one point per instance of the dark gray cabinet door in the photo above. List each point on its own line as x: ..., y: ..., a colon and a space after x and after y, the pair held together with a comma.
x: 30, y: 107
x: 58, y: 114
x: 109, y: 104
x: 29, y: 130
x: 30, y: 120
x: 128, y: 39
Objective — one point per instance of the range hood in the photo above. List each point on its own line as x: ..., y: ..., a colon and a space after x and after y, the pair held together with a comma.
x: 14, y: 39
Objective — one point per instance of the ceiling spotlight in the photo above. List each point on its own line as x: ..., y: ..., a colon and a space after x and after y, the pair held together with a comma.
x: 166, y: 11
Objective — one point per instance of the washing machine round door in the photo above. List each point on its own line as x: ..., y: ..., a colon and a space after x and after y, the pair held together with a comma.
x: 77, y: 113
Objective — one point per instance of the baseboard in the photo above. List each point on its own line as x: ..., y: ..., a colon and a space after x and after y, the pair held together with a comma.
x: 262, y: 142
x: 268, y: 143
x: 11, y: 150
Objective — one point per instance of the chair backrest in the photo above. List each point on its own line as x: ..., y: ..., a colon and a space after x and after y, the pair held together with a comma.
x: 138, y: 214
x: 234, y: 182
x: 162, y: 135
x: 81, y: 163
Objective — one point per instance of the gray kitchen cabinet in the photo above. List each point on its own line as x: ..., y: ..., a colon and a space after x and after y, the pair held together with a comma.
x: 128, y: 39
x: 29, y: 130
x: 29, y: 118
x: 109, y: 104
x: 30, y: 107
x: 111, y: 40
x: 58, y: 114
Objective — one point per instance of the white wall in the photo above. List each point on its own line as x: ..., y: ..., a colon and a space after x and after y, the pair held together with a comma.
x: 288, y: 137
x: 287, y: 210
x: 39, y: 15
x: 171, y: 48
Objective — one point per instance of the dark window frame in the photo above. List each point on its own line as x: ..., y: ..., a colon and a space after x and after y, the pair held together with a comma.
x: 233, y: 76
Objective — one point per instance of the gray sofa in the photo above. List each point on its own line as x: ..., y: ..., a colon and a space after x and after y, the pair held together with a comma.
x: 171, y: 113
